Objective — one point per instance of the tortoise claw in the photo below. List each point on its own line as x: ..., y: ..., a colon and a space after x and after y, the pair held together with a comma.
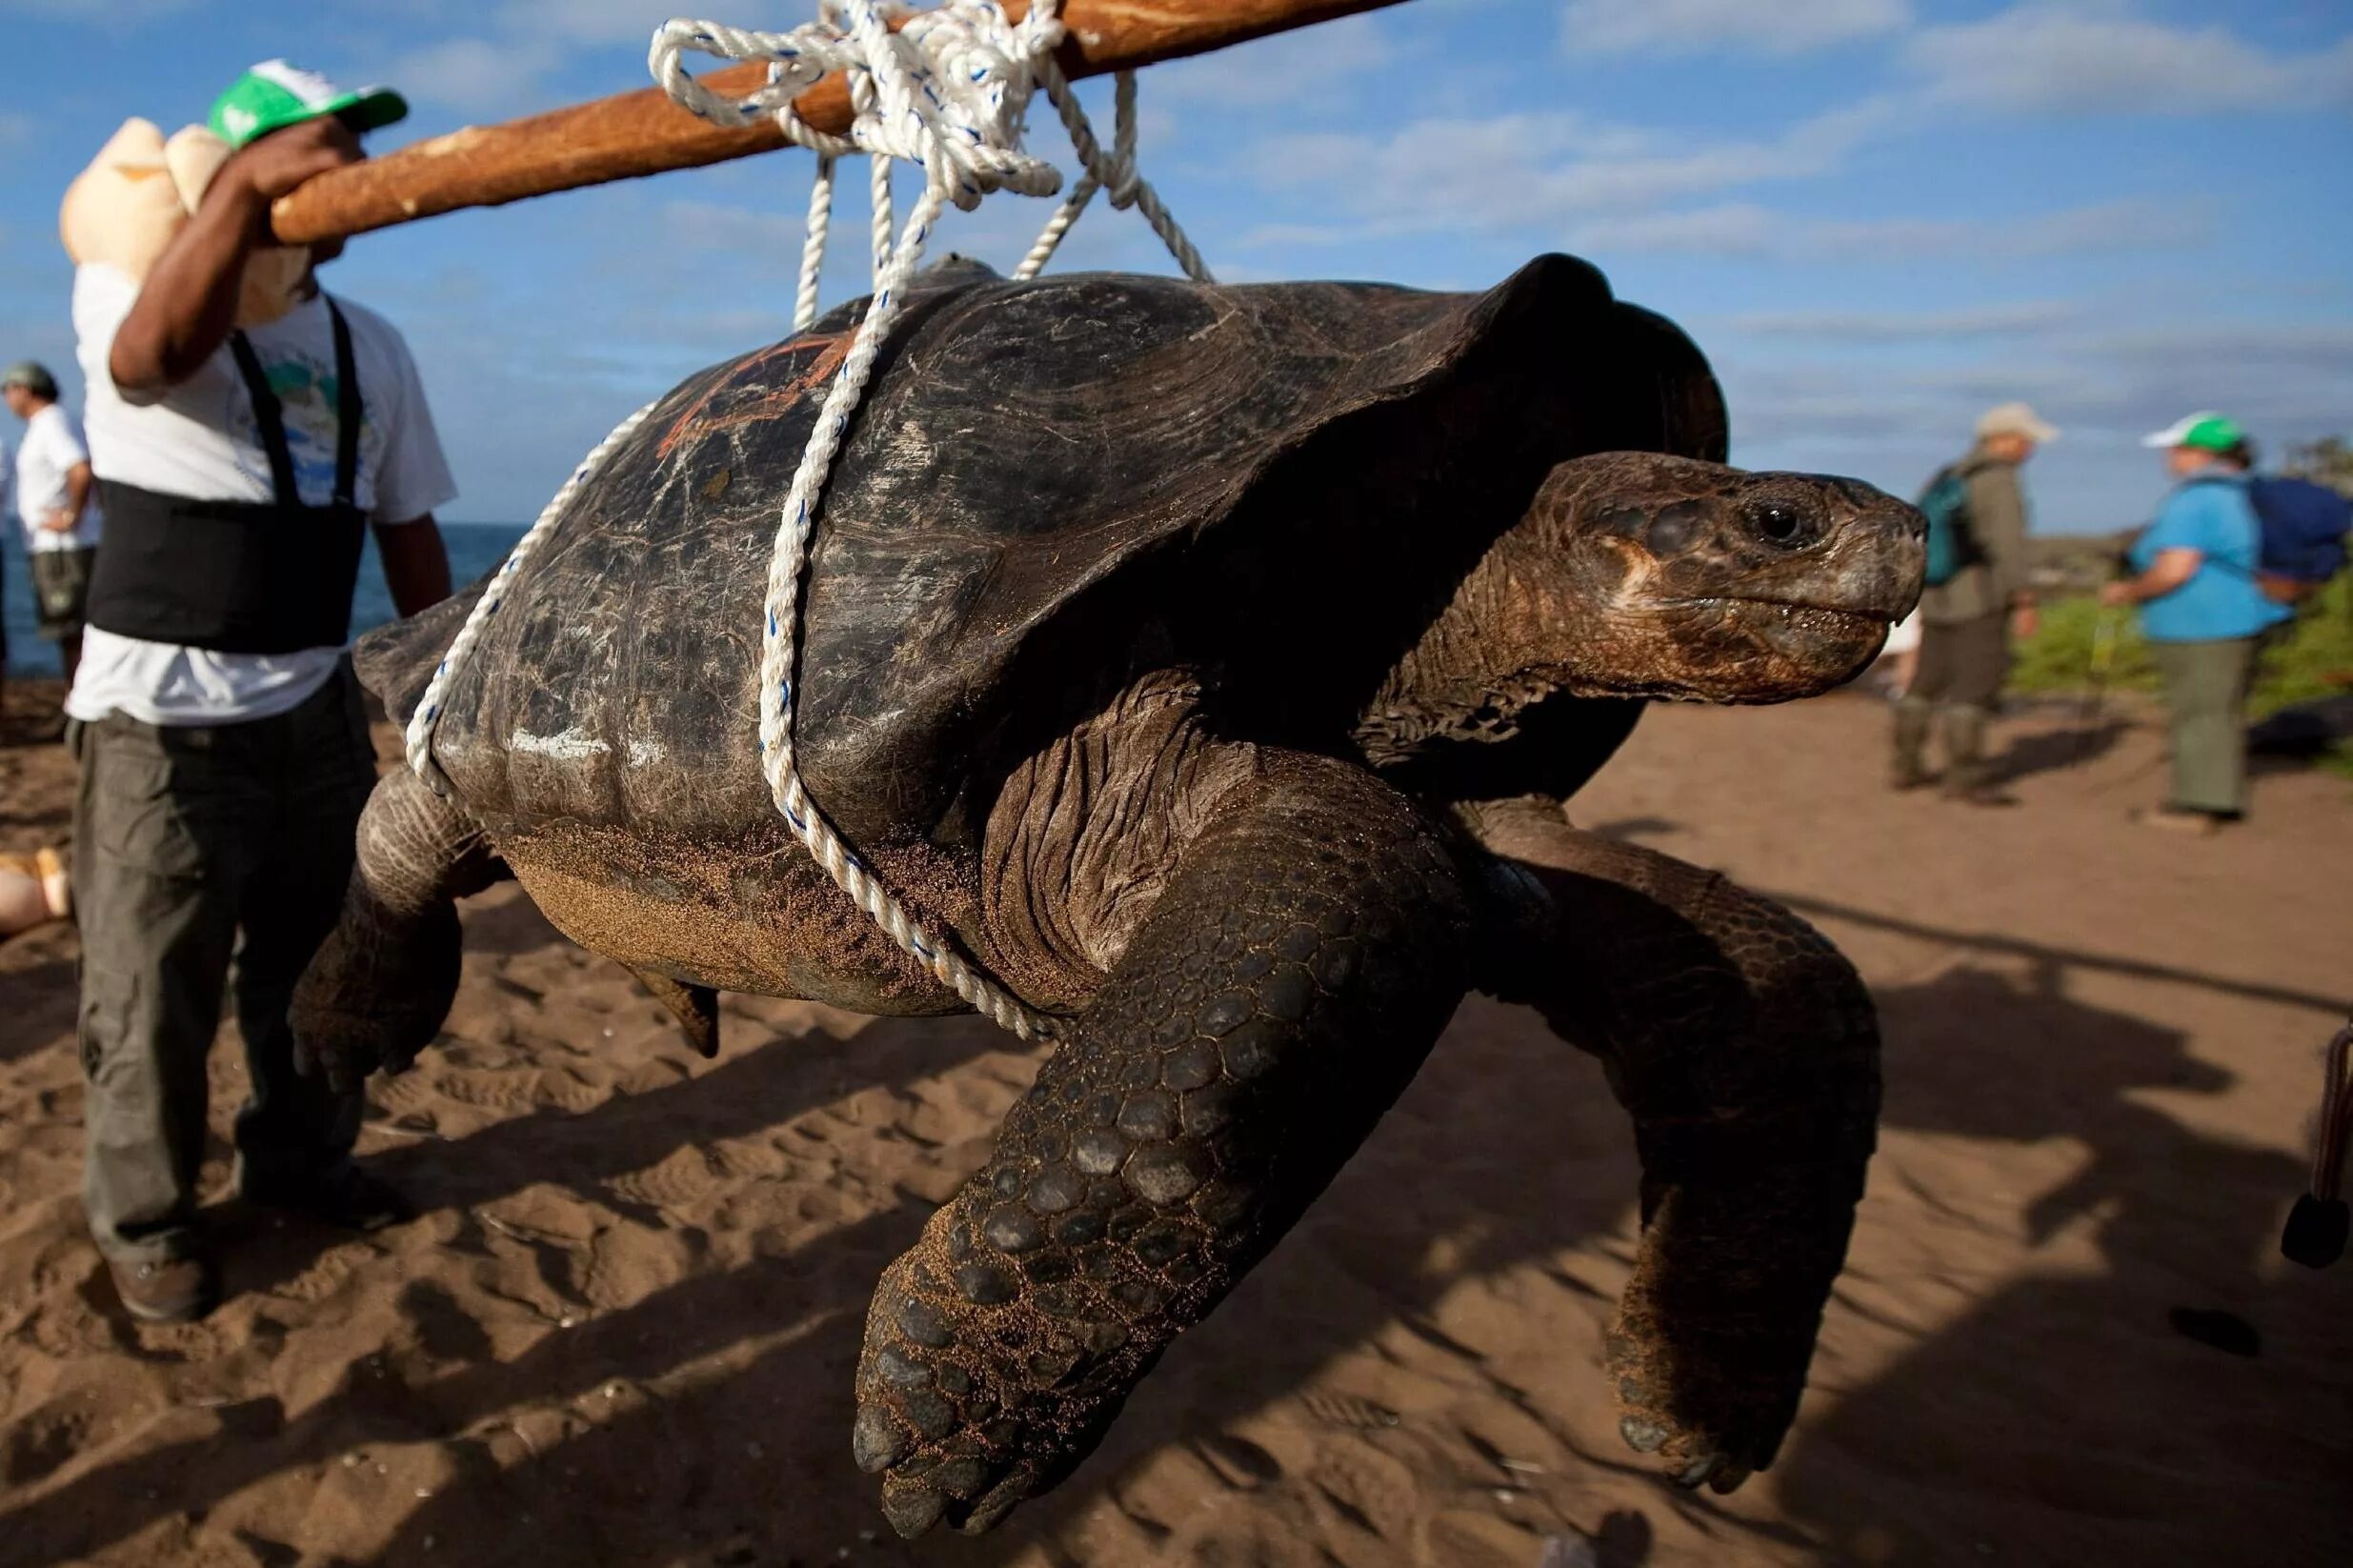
x: 1727, y: 1481
x: 1696, y: 1472
x: 912, y: 1507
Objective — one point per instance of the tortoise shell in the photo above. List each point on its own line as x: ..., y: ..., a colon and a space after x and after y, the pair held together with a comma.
x: 1051, y: 486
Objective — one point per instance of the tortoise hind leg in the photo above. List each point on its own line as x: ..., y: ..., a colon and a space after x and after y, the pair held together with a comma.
x: 695, y: 1007
x: 1746, y: 1050
x: 379, y: 987
x: 1306, y: 952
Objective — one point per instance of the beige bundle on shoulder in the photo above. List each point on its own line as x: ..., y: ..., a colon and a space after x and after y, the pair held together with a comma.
x: 124, y: 210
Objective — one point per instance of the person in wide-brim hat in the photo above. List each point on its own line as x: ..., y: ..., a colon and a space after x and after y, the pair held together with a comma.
x: 1977, y: 600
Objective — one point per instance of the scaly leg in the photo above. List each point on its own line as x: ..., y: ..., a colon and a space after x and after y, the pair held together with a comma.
x: 382, y: 983
x: 1306, y: 952
x: 1746, y: 1050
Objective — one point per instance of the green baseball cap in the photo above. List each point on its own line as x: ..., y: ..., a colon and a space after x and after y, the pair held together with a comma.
x: 2203, y: 432
x: 273, y: 95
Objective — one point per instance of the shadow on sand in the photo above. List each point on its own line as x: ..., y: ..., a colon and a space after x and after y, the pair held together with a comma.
x: 2072, y: 1390
x: 2119, y: 1408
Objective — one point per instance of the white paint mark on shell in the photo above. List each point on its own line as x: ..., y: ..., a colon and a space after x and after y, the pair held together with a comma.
x: 572, y: 745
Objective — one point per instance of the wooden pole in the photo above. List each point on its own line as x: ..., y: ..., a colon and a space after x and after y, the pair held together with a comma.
x: 643, y: 133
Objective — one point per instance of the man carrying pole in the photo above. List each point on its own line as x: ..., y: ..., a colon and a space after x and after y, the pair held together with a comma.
x: 249, y: 431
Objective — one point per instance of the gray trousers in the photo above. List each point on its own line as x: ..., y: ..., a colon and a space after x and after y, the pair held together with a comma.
x: 1962, y: 665
x: 200, y: 852
x: 2205, y: 699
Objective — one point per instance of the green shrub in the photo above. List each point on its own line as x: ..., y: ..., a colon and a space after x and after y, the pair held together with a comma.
x: 2298, y: 668
x: 2059, y: 657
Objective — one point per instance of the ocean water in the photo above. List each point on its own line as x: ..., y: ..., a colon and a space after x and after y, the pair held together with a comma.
x: 474, y: 548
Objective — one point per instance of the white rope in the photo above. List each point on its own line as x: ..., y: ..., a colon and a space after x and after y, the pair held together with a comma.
x: 880, y: 185
x: 813, y: 248
x: 947, y: 92
x: 1115, y: 173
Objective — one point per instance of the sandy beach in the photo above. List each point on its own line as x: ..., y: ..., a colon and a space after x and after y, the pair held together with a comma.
x: 623, y: 1330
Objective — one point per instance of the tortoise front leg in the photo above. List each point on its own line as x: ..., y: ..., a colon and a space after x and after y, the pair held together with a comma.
x: 378, y: 989
x: 1746, y: 1049
x: 1306, y: 953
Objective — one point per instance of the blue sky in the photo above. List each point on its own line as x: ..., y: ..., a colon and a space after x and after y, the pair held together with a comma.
x: 1878, y: 217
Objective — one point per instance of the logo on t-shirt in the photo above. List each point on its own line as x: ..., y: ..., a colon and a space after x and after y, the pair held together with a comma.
x: 308, y: 393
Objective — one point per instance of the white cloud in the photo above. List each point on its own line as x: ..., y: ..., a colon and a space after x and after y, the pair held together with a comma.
x: 1313, y: 67
x: 502, y: 66
x: 1546, y: 169
x: 110, y: 15
x: 477, y: 76
x: 1733, y: 229
x: 594, y: 21
x: 1605, y: 188
x: 2094, y: 55
x: 2112, y: 226
x: 2026, y: 318
x: 1693, y: 26
x: 2102, y: 381
x: 1739, y: 229
x: 716, y: 225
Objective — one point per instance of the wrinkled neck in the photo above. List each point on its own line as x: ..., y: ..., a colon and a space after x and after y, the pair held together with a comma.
x: 1472, y: 672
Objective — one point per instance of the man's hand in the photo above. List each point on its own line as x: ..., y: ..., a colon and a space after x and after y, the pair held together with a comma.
x: 57, y: 520
x: 2173, y: 567
x: 189, y: 303
x: 272, y: 166
x: 2025, y: 620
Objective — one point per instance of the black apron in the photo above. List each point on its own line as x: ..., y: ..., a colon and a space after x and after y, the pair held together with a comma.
x: 240, y: 576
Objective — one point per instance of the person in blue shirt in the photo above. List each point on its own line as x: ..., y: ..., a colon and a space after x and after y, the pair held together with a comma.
x: 2203, y: 611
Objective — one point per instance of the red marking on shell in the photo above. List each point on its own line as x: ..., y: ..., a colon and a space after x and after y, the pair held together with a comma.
x: 825, y: 357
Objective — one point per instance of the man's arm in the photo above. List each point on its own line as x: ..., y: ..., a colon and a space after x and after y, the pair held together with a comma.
x: 417, y: 563
x: 189, y: 303
x: 1998, y: 518
x: 2172, y: 568
x: 65, y: 519
x: 1997, y: 522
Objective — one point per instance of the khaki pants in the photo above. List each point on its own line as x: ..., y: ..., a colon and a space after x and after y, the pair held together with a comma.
x: 2205, y: 696
x: 61, y: 590
x: 199, y: 850
x: 1962, y: 665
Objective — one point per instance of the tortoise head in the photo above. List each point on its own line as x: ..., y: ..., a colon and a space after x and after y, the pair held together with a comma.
x: 1641, y: 574
x: 1644, y: 574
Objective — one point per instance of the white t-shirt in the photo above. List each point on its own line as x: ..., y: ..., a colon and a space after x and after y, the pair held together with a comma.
x: 51, y: 447
x: 200, y: 439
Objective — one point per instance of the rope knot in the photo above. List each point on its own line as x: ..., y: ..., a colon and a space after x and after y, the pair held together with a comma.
x: 946, y: 90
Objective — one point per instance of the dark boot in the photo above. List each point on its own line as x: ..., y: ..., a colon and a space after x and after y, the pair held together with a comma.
x: 1966, y: 776
x: 343, y: 1196
x: 1911, y: 766
x: 176, y: 1290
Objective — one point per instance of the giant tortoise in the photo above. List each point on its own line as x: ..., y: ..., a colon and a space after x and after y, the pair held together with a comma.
x: 1211, y: 664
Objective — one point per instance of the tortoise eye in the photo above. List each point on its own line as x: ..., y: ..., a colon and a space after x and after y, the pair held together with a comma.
x: 1779, y: 523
